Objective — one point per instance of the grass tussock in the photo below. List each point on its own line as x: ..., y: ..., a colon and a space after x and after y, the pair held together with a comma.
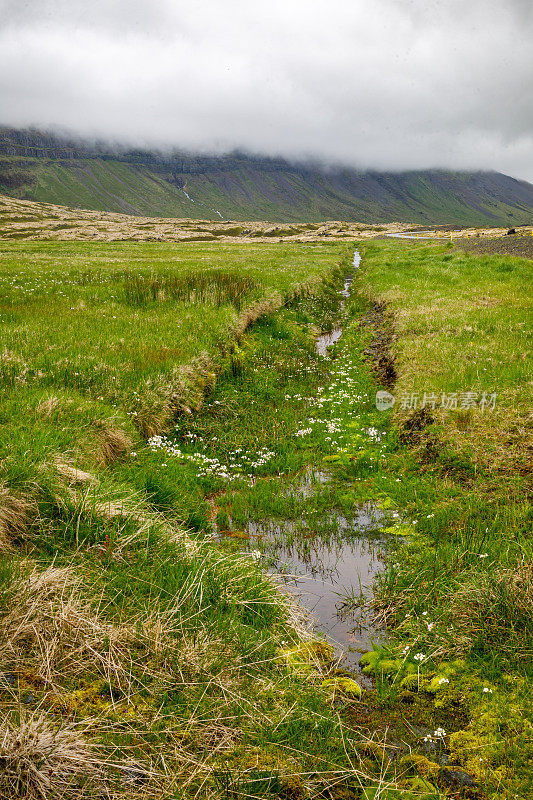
x: 39, y: 761
x: 112, y: 443
x: 17, y: 513
x: 49, y: 626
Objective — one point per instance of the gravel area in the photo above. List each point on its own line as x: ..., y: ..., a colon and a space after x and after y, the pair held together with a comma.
x: 512, y: 245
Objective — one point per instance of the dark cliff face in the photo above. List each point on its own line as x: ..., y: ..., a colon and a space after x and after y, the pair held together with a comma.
x: 32, y: 143
x: 69, y: 171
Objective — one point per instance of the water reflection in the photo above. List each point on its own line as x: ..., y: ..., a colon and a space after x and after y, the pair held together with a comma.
x: 321, y: 569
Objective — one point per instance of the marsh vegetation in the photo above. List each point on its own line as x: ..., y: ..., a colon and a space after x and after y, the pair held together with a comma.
x: 172, y: 441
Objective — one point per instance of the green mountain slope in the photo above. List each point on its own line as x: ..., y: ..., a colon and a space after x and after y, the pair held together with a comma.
x: 35, y: 166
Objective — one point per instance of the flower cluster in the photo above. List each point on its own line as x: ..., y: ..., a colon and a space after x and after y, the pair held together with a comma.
x: 304, y: 432
x: 239, y: 464
x: 338, y: 406
x: 438, y: 735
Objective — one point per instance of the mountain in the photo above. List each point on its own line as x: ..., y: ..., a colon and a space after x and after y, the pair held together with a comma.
x: 66, y: 171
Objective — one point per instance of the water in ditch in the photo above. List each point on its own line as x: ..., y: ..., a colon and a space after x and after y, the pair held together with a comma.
x: 322, y: 572
x: 322, y: 565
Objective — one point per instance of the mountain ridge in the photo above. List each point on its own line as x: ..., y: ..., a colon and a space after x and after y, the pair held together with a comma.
x: 68, y: 171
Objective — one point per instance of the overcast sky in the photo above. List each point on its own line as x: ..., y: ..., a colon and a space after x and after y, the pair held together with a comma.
x: 393, y: 84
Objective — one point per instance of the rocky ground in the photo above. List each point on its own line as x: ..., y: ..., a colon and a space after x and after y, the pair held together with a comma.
x: 24, y: 219
x: 519, y: 244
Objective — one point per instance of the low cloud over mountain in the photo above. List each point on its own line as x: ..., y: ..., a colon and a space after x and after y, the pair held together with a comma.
x: 387, y: 84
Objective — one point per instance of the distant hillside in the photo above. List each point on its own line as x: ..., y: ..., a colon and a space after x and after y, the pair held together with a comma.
x: 37, y: 166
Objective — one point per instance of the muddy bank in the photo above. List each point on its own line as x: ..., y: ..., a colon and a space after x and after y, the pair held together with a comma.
x: 378, y: 352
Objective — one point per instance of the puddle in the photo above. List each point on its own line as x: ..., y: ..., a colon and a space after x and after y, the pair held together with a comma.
x: 320, y: 573
x: 310, y: 482
x: 328, y: 339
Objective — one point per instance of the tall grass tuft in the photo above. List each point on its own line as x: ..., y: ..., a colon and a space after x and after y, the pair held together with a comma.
x: 38, y: 761
x: 212, y: 287
x: 16, y: 513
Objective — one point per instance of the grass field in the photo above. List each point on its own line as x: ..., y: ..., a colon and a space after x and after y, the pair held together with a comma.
x: 158, y: 397
x: 459, y: 589
x: 136, y: 654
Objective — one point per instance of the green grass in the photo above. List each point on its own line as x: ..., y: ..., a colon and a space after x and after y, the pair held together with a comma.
x: 247, y: 190
x: 461, y: 585
x: 82, y: 318
x: 161, y: 647
x: 172, y: 639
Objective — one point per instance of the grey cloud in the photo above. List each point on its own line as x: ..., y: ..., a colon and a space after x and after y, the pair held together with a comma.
x: 373, y: 83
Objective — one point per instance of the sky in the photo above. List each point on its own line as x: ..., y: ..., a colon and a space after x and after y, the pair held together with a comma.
x: 381, y: 84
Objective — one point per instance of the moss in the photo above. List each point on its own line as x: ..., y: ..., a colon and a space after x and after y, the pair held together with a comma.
x: 438, y: 683
x: 369, y: 660
x: 372, y: 750
x: 96, y: 698
x: 306, y: 656
x: 412, y: 682
x: 421, y: 786
x: 472, y: 751
x: 390, y: 666
x: 345, y: 687
x: 419, y: 765
x: 407, y: 531
x: 380, y: 661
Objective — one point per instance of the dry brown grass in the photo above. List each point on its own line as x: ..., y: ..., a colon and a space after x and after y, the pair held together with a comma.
x: 154, y: 417
x: 74, y: 475
x: 112, y: 443
x: 50, y: 627
x: 252, y: 314
x: 47, y: 407
x: 24, y: 219
x: 40, y: 762
x: 16, y: 515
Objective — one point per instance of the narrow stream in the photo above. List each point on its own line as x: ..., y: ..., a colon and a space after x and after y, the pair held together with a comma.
x: 319, y: 570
